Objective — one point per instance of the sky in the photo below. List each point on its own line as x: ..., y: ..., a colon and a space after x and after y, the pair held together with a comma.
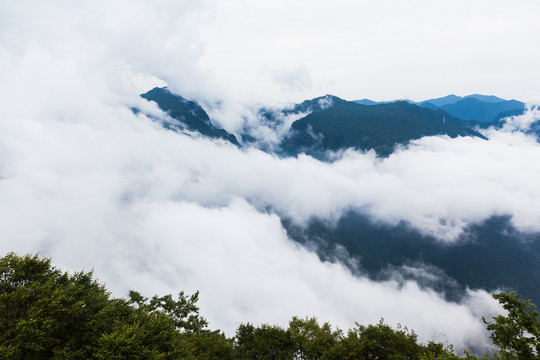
x: 88, y: 182
x: 381, y: 50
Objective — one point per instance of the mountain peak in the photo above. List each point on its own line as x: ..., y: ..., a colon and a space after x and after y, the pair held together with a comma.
x: 445, y: 100
x: 320, y: 103
x: 485, y: 98
x: 366, y: 101
x: 380, y: 127
x: 186, y: 114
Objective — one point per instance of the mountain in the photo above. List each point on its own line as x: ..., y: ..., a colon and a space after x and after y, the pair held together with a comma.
x: 347, y: 124
x: 428, y: 105
x: 366, y: 102
x: 471, y: 108
x: 452, y: 99
x: 475, y: 107
x: 436, y: 103
x: 186, y: 114
x: 483, y: 258
x: 485, y: 98
x: 371, y: 102
x: 331, y: 123
x: 535, y: 129
x: 314, y: 105
x: 449, y: 99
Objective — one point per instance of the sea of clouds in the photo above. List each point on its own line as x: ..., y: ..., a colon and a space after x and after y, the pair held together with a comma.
x: 88, y: 182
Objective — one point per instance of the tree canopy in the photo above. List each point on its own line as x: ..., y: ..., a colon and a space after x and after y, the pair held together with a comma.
x: 518, y: 333
x: 49, y: 314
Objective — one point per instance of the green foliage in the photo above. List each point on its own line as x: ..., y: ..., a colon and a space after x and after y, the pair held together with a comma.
x: 48, y: 314
x: 313, y: 341
x: 304, y: 339
x: 380, y: 342
x: 183, y: 312
x: 307, y: 339
x: 209, y: 345
x: 264, y: 342
x: 140, y: 336
x: 437, y: 351
x: 518, y: 333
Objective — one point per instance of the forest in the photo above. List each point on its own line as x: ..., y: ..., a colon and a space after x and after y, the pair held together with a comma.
x: 46, y: 313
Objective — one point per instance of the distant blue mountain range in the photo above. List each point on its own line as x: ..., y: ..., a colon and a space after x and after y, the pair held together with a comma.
x: 328, y: 123
x: 475, y: 107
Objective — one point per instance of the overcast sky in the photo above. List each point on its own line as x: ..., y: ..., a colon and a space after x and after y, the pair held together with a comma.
x: 291, y: 50
x: 376, y: 49
x: 86, y: 181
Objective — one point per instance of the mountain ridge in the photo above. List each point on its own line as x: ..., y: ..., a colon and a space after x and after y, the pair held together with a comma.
x: 474, y: 107
x: 381, y: 127
x: 329, y: 123
x: 186, y: 112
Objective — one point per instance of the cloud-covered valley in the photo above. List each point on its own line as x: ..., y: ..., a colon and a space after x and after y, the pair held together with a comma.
x: 88, y: 182
x: 160, y: 211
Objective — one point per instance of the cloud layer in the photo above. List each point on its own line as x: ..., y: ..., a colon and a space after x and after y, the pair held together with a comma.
x: 383, y: 50
x: 86, y: 181
x: 106, y: 200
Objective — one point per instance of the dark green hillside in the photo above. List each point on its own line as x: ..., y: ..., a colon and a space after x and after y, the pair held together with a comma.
x: 490, y: 255
x: 188, y: 113
x: 315, y: 105
x: 347, y: 124
x: 471, y: 108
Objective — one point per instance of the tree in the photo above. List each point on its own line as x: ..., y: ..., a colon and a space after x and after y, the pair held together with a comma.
x: 140, y: 336
x: 437, y: 351
x: 380, y: 342
x: 190, y: 327
x: 184, y: 312
x: 518, y: 333
x: 46, y: 313
x: 313, y: 341
x: 49, y: 314
x: 264, y: 342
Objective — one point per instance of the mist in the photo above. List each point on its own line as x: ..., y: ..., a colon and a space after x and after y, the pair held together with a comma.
x: 88, y: 182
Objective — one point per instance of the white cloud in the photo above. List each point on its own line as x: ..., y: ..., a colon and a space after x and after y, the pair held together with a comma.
x: 523, y: 122
x: 131, y: 199
x: 86, y: 181
x: 243, y: 241
x: 382, y: 50
x: 296, y: 79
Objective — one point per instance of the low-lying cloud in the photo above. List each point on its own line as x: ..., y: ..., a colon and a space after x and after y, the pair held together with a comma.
x: 158, y: 211
x: 86, y: 181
